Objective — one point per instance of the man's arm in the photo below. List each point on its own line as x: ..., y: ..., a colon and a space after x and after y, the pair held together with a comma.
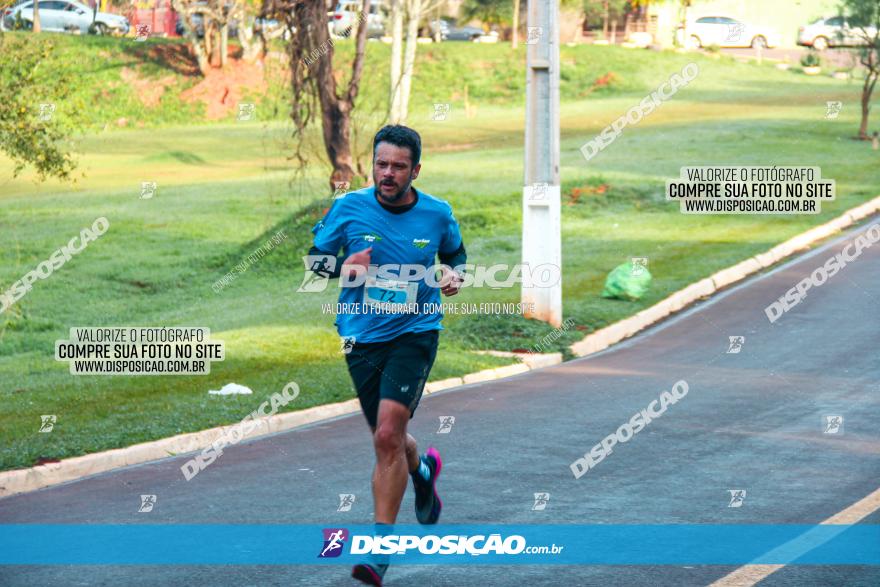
x: 455, y: 258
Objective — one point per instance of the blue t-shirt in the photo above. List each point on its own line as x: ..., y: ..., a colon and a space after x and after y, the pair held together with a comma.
x: 415, y: 237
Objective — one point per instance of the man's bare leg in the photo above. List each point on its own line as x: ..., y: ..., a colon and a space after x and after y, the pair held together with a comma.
x: 396, y: 456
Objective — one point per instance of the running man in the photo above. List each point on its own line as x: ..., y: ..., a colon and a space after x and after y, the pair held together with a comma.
x: 390, y: 354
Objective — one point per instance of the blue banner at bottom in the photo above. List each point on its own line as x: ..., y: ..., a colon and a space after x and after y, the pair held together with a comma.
x: 493, y: 544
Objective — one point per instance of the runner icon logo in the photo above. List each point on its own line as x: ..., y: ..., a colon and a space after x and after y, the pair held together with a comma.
x: 446, y: 423
x: 46, y: 112
x: 347, y: 344
x: 334, y: 540
x: 734, y: 32
x: 538, y: 192
x: 533, y: 35
x: 737, y: 497
x: 341, y: 188
x: 147, y: 503
x: 318, y: 270
x: 47, y: 423
x: 541, y: 500
x: 832, y: 425
x: 346, y: 500
x: 148, y: 189
x: 832, y: 109
x: 246, y: 112
x: 638, y: 266
x: 143, y: 31
x: 441, y: 111
x: 736, y: 344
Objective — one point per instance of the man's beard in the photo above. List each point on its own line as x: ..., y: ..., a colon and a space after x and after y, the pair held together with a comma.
x: 392, y: 198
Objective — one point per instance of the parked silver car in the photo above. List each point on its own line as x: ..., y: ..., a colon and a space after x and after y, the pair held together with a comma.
x: 66, y: 16
x: 832, y: 32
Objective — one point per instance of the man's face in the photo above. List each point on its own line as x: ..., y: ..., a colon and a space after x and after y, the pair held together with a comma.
x: 393, y: 172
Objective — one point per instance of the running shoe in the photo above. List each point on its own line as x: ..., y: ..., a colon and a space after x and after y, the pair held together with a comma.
x: 428, y: 504
x: 369, y: 573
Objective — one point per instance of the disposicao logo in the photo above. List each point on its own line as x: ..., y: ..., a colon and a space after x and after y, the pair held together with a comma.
x: 421, y: 243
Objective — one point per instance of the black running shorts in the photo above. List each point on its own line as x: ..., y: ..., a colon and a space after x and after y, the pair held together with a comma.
x: 395, y: 369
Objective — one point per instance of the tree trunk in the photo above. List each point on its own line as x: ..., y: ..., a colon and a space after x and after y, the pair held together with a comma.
x: 872, y: 71
x: 36, y: 28
x: 605, y: 22
x: 224, y: 43
x: 396, y: 58
x: 335, y: 109
x: 251, y: 44
x: 613, y: 31
x: 192, y: 39
x: 867, y: 91
x: 515, y: 22
x: 209, y: 42
x: 412, y: 35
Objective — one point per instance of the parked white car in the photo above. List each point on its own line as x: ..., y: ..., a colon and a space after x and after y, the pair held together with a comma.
x: 725, y: 31
x: 346, y: 16
x: 832, y: 32
x: 65, y: 16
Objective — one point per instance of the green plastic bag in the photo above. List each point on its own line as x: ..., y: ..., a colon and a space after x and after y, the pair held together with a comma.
x: 627, y: 282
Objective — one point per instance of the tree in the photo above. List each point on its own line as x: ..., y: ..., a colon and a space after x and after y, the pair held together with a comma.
x: 253, y: 39
x: 610, y: 11
x: 33, y: 80
x: 310, y: 55
x: 864, y: 18
x: 187, y: 9
x: 488, y: 12
x: 37, y: 27
x: 401, y: 73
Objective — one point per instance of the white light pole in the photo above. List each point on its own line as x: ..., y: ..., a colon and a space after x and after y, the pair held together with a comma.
x: 542, y: 235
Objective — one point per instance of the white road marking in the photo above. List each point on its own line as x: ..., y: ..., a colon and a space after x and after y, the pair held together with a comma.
x: 749, y: 575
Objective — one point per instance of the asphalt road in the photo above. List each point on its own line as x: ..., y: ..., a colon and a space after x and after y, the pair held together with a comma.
x: 752, y: 420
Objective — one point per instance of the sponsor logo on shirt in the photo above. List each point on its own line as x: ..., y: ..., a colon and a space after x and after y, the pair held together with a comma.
x: 421, y: 243
x: 372, y: 238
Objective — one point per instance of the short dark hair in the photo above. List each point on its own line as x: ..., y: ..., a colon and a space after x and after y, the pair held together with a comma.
x: 400, y: 136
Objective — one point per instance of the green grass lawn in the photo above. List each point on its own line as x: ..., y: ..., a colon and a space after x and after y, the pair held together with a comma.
x: 223, y: 189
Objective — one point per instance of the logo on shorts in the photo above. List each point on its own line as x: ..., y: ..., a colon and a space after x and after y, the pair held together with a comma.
x: 334, y: 540
x: 347, y: 344
x: 421, y: 243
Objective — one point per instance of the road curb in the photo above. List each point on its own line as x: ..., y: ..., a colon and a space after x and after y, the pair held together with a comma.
x: 33, y: 478
x: 605, y: 337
